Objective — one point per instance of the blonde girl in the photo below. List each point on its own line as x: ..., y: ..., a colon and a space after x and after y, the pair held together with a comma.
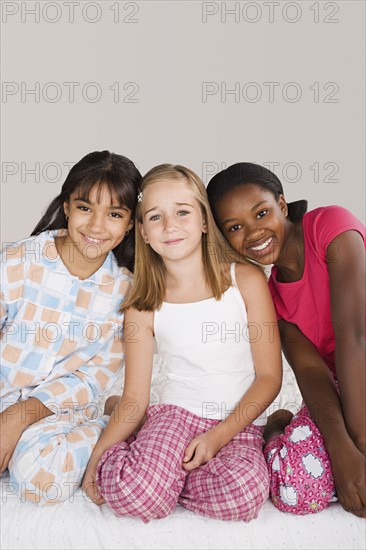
x: 214, y: 324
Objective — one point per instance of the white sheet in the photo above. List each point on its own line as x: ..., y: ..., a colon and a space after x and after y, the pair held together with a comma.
x: 78, y: 524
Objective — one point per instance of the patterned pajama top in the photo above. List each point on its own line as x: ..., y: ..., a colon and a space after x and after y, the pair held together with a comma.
x: 61, y: 337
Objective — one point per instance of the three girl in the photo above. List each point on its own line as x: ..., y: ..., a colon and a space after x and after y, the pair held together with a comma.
x: 318, y: 287
x: 61, y: 328
x: 214, y: 324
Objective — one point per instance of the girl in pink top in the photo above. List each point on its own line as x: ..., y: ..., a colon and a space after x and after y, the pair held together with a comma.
x: 318, y: 288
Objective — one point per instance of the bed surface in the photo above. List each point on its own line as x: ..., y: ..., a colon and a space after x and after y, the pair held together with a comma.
x: 79, y: 524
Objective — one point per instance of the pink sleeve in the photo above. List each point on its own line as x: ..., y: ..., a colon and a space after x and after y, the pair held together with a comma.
x: 273, y: 291
x: 331, y: 221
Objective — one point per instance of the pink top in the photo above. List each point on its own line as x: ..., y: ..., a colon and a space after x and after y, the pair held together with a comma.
x: 306, y: 303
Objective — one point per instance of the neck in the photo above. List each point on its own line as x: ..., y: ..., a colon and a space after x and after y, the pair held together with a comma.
x: 74, y: 261
x: 186, y: 281
x: 290, y: 263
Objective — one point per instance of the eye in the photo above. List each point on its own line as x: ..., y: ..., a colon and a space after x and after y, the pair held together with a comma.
x: 116, y: 215
x: 262, y: 213
x: 183, y: 212
x: 235, y: 228
x: 155, y: 217
x: 83, y: 208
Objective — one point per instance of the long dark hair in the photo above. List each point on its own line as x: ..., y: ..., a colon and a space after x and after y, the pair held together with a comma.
x: 101, y: 168
x: 245, y: 173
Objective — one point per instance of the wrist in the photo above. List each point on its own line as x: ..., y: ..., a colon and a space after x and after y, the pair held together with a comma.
x: 222, y: 434
x: 334, y: 442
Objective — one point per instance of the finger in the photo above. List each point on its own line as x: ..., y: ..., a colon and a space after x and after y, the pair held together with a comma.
x: 352, y: 504
x: 100, y: 501
x: 189, y: 466
x: 4, y: 463
x: 362, y: 494
x: 91, y: 489
x: 359, y: 508
x: 359, y: 512
x: 190, y: 450
x: 197, y: 460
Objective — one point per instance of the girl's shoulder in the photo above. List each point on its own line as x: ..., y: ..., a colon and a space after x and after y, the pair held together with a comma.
x: 331, y: 215
x: 248, y: 269
x: 251, y: 282
x: 138, y: 321
x: 247, y: 275
x: 27, y: 249
x: 323, y: 224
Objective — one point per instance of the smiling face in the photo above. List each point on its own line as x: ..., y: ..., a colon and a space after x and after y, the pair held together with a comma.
x: 96, y: 225
x: 253, y: 222
x: 172, y: 220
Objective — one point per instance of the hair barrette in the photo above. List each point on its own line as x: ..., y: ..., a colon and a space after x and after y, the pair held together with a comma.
x: 140, y: 196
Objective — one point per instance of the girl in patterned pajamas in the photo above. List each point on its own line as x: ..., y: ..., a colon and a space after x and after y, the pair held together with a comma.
x: 215, y: 326
x: 318, y: 287
x: 61, y: 328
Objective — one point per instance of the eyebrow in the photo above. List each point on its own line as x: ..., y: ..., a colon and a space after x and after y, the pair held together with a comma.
x: 177, y: 203
x: 229, y: 220
x: 112, y: 207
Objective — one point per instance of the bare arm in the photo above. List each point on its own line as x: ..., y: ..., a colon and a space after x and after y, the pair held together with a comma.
x: 316, y: 384
x: 346, y: 268
x: 266, y: 350
x: 320, y: 394
x: 128, y: 413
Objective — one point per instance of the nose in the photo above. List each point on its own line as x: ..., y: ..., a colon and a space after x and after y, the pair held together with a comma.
x: 171, y: 223
x: 253, y: 232
x: 96, y: 223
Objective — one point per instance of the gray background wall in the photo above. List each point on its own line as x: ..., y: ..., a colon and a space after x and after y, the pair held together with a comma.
x: 205, y: 84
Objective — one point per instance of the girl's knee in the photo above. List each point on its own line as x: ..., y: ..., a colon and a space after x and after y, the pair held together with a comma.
x: 251, y: 501
x: 240, y: 501
x: 137, y: 486
x: 42, y: 487
x: 144, y: 506
x: 138, y: 498
x: 47, y: 475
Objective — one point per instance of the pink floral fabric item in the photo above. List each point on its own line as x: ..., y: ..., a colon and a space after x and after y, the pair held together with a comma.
x: 301, y: 479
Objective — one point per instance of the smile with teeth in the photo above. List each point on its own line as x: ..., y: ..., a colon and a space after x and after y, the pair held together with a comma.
x: 262, y: 246
x: 94, y: 241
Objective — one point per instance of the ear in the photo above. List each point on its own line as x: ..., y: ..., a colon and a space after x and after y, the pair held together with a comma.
x: 131, y: 224
x: 204, y: 223
x: 142, y: 232
x: 283, y: 205
x: 66, y: 208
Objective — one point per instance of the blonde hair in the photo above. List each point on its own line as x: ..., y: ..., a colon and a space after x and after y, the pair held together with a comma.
x: 148, y: 288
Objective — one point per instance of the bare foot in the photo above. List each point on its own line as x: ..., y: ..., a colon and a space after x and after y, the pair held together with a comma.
x: 110, y: 403
x: 276, y: 423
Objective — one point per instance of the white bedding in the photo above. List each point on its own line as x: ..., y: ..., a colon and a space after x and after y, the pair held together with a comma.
x: 78, y: 524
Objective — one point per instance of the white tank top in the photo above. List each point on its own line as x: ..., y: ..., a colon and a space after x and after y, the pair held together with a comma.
x: 207, y: 354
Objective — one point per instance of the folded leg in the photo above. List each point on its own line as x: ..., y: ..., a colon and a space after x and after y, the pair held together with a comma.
x: 301, y: 480
x: 51, y: 456
x: 143, y: 476
x: 234, y: 484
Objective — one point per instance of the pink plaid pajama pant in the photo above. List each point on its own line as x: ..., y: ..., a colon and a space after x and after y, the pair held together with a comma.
x: 144, y: 477
x: 301, y: 479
